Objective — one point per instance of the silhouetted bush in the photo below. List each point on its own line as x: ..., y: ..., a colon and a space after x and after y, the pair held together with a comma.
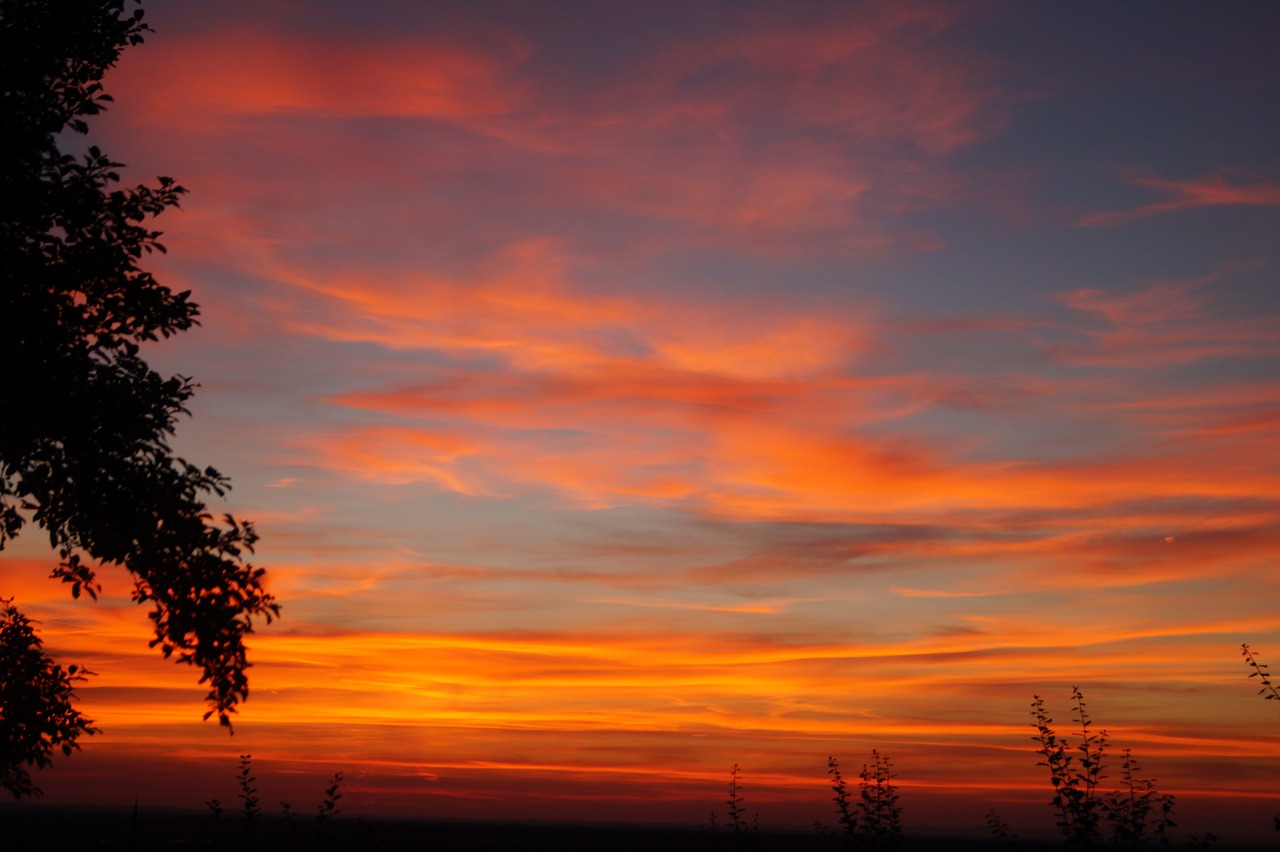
x: 1134, y: 815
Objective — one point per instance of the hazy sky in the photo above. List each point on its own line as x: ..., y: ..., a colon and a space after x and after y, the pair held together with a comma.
x: 627, y: 390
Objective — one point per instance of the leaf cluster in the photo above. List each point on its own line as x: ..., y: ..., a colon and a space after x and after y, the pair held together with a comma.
x: 1267, y: 689
x: 328, y: 809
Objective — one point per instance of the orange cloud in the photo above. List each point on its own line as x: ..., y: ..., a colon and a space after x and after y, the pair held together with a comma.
x: 438, y: 721
x: 742, y: 410
x: 575, y: 707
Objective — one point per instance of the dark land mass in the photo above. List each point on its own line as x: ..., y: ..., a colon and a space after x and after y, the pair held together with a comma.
x: 86, y: 830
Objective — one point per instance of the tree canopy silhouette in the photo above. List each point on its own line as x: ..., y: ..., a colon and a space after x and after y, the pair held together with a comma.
x: 84, y: 450
x: 35, y: 693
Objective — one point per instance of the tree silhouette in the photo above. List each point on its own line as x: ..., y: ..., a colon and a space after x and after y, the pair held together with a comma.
x: 84, y: 449
x: 36, y: 716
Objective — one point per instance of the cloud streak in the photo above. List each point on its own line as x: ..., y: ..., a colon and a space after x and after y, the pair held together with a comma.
x: 1211, y: 190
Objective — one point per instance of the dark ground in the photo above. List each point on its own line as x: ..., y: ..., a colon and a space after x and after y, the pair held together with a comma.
x: 86, y: 830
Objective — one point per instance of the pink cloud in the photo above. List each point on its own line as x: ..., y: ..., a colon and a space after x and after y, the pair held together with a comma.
x: 240, y: 73
x: 1157, y: 302
x: 1165, y: 322
x: 667, y: 138
x: 1213, y: 190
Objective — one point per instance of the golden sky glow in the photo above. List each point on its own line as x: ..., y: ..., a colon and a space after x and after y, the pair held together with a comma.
x: 624, y: 395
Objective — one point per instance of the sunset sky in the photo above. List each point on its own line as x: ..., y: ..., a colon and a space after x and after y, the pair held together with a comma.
x: 626, y: 390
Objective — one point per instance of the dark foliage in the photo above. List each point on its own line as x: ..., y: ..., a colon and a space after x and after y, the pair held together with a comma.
x: 1000, y: 832
x: 844, y: 812
x: 875, y: 820
x: 879, y: 806
x: 88, y: 459
x: 1136, y: 814
x: 1076, y: 800
x: 248, y: 793
x: 36, y: 716
x: 737, y: 810
x: 328, y: 809
x: 1266, y: 688
x: 1137, y: 811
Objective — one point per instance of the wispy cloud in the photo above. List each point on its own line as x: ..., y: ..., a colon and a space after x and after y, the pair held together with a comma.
x: 228, y: 73
x: 1166, y: 322
x: 1212, y: 190
x: 763, y: 135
